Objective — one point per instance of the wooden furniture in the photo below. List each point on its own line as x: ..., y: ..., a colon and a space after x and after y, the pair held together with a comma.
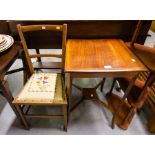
x: 42, y: 89
x: 7, y: 58
x: 142, y: 90
x: 88, y: 58
x: 82, y: 29
x: 77, y: 29
x: 147, y: 56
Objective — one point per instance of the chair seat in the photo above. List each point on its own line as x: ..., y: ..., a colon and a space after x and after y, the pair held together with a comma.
x: 42, y: 89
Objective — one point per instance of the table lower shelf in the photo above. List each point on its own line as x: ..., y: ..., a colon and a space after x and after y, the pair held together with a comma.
x: 124, y: 114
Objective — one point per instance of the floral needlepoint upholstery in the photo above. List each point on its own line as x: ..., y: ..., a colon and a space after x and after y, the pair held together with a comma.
x: 41, y: 86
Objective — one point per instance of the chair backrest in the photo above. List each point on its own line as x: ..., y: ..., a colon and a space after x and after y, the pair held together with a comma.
x: 30, y: 28
x: 136, y: 32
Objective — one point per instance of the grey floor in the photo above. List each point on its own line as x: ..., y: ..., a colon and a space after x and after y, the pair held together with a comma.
x: 88, y: 119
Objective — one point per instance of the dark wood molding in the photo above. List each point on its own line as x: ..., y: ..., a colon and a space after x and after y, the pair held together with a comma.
x: 88, y: 29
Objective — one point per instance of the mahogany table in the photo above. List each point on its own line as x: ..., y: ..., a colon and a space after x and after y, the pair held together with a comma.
x: 89, y: 58
x: 7, y: 58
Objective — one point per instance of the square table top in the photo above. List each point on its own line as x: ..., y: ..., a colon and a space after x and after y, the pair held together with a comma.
x: 100, y: 55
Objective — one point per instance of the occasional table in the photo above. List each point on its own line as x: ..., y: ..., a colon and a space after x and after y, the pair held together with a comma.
x: 89, y: 58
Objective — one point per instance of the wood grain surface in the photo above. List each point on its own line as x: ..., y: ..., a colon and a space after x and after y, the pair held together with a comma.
x: 100, y: 55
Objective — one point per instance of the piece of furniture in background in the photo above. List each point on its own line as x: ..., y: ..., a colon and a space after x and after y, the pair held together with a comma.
x: 147, y: 56
x: 39, y: 82
x: 100, y: 58
x: 142, y: 91
x: 134, y: 101
x: 83, y: 29
x: 4, y: 27
x: 7, y: 58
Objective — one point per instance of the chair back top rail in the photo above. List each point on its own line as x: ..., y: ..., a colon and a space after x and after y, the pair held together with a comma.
x: 22, y: 29
x: 41, y: 27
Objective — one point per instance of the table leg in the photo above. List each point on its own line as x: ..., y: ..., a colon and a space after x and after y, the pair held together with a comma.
x: 8, y: 95
x: 102, y: 84
x: 123, y: 99
x: 113, y: 83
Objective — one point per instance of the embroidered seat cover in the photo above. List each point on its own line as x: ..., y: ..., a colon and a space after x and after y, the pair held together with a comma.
x: 41, y: 86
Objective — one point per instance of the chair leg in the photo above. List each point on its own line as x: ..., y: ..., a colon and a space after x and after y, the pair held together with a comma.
x: 24, y: 121
x: 113, y: 83
x: 102, y: 84
x: 65, y: 117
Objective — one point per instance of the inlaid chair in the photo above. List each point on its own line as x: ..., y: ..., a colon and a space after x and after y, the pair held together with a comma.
x: 42, y: 89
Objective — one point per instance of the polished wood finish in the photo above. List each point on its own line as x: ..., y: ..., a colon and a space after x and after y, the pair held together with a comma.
x: 100, y: 58
x: 100, y: 55
x: 145, y: 54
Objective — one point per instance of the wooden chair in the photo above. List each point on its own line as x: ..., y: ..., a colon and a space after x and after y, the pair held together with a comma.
x: 142, y: 86
x: 147, y: 56
x: 42, y: 89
